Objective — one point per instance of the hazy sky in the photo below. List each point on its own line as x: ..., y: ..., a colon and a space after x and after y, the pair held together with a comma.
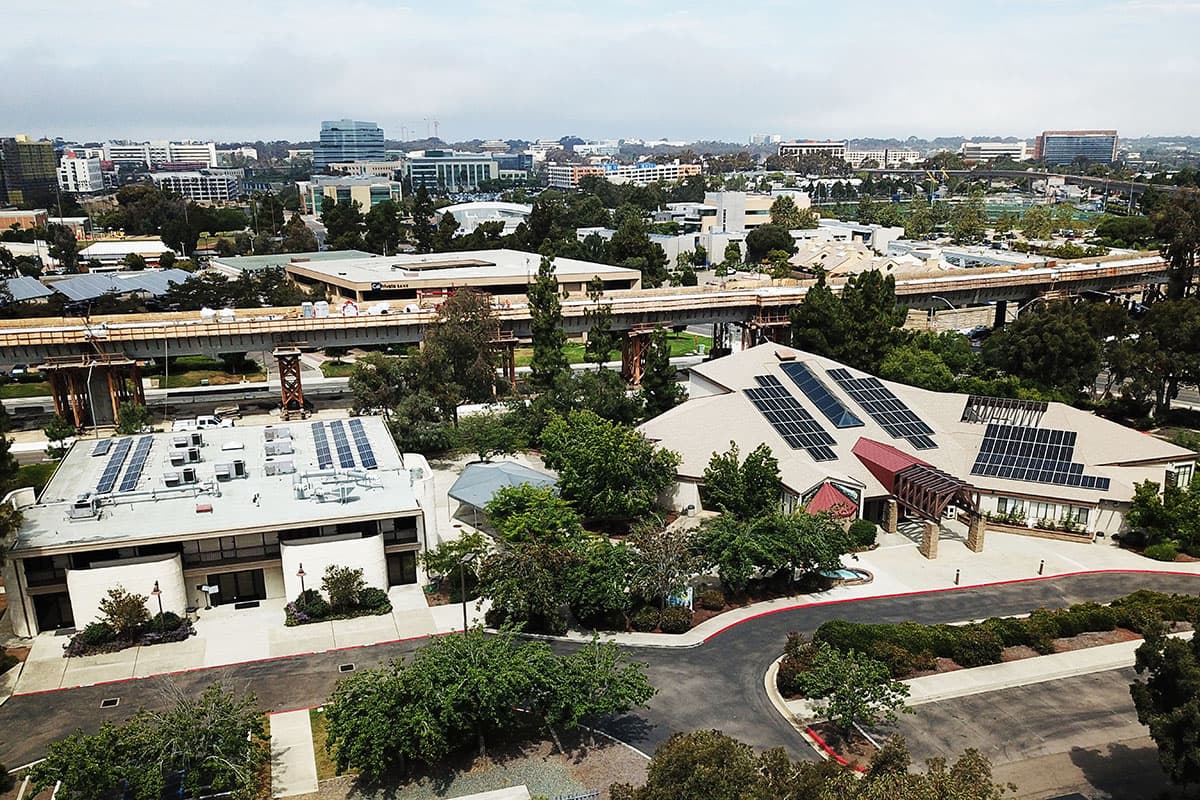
x: 262, y: 69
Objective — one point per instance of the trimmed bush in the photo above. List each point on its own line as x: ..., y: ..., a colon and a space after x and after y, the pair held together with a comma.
x: 1163, y: 551
x: 711, y: 600
x: 798, y: 655
x: 977, y: 646
x: 373, y: 599
x: 900, y: 662
x: 863, y: 532
x: 676, y: 619
x: 95, y: 635
x: 645, y: 619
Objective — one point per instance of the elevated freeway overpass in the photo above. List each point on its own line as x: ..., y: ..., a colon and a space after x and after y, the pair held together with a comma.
x: 143, y: 336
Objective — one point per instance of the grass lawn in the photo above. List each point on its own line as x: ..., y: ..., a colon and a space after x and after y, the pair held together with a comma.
x: 682, y: 344
x: 336, y: 369
x: 35, y: 475
x: 10, y: 391
x: 325, y: 767
x: 213, y: 376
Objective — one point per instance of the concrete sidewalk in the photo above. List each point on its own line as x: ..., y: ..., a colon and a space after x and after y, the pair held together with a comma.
x: 293, y: 761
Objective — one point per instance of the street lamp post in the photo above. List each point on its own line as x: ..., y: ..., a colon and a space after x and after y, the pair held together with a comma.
x: 157, y: 593
x: 469, y: 558
x: 300, y: 574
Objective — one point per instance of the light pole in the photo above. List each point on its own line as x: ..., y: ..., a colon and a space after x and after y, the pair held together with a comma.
x: 469, y: 558
x: 944, y: 300
x: 157, y: 593
x: 300, y: 574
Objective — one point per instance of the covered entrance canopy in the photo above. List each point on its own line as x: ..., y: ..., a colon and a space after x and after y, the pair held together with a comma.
x: 479, y: 482
x: 922, y: 489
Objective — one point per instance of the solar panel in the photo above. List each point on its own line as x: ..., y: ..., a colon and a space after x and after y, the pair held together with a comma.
x: 115, y: 461
x: 885, y: 408
x: 324, y: 457
x: 134, y: 471
x: 366, y: 454
x: 102, y: 447
x: 789, y: 419
x: 344, y: 453
x: 819, y: 394
x: 1037, y: 455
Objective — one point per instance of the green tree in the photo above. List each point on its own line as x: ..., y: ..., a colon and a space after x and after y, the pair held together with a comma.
x: 746, y: 489
x: 526, y: 583
x: 852, y: 689
x: 606, y: 470
x: 443, y: 237
x: 125, y: 613
x: 596, y: 681
x: 1167, y: 698
x: 765, y: 238
x: 786, y: 214
x: 297, y: 238
x: 917, y: 366
x: 134, y: 262
x: 546, y: 328
x: 384, y: 232
x: 630, y: 246
x: 526, y: 513
x: 342, y: 586
x: 447, y: 558
x: 809, y: 543
x: 343, y: 224
x: 57, y: 431
x: 63, y: 246
x: 93, y: 765
x: 597, y: 583
x: 663, y: 562
x: 660, y: 385
x: 1036, y: 222
x: 458, y: 362
x: 733, y: 548
x: 732, y: 258
x: 1049, y: 345
x: 1177, y: 226
x: 422, y: 228
x: 601, y: 341
x: 489, y: 435
x: 132, y: 418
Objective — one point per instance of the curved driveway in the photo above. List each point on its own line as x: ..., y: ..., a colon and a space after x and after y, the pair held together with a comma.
x: 718, y: 684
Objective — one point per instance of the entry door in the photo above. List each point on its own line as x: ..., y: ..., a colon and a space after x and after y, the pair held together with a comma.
x: 235, y: 587
x: 402, y: 568
x: 53, y: 611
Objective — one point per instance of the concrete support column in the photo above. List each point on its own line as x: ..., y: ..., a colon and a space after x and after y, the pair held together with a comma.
x: 929, y: 541
x: 891, y: 516
x: 975, y: 533
x: 1001, y: 314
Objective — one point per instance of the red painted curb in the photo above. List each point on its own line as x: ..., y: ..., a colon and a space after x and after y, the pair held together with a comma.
x: 820, y: 603
x: 832, y: 753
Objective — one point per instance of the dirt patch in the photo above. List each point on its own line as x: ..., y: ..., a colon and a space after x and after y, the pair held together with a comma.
x: 855, y: 748
x: 1095, y: 639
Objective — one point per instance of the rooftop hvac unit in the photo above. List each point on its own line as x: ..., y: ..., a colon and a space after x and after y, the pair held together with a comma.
x: 86, y: 506
x: 279, y: 466
x: 197, y: 438
x: 193, y: 455
x: 223, y: 472
x: 273, y: 432
x: 172, y: 478
x: 180, y: 441
x: 279, y: 447
x: 189, y: 474
x: 178, y: 458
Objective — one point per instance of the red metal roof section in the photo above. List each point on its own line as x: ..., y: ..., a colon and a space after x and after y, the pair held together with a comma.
x: 830, y: 498
x: 883, y: 461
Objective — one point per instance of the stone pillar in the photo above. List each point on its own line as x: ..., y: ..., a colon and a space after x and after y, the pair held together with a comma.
x: 891, y: 516
x: 975, y: 531
x: 929, y: 542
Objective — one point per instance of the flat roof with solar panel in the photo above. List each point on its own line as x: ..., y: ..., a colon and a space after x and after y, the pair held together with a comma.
x: 134, y: 471
x: 366, y: 455
x: 345, y: 455
x: 816, y: 391
x: 108, y: 478
x: 321, y: 441
x: 883, y: 406
x: 1036, y: 455
x: 785, y: 414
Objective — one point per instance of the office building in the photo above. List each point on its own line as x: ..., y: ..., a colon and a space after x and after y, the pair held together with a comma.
x: 728, y: 211
x: 366, y: 190
x: 80, y: 175
x: 765, y: 138
x: 222, y: 516
x: 417, y: 277
x: 835, y: 150
x: 235, y: 156
x: 1029, y: 465
x: 149, y: 155
x: 28, y: 171
x: 609, y: 148
x: 373, y: 169
x: 887, y: 158
x: 111, y: 255
x: 538, y: 151
x: 237, y: 266
x: 1064, y: 147
x: 348, y: 140
x: 976, y: 152
x: 450, y: 171
x: 567, y: 176
x: 203, y: 186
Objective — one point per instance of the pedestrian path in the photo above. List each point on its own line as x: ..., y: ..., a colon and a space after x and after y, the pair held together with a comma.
x: 293, y: 761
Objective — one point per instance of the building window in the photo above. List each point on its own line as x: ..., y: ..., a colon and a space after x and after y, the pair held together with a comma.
x: 1183, y: 475
x: 225, y: 549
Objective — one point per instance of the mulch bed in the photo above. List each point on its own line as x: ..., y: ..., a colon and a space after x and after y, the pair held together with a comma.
x: 855, y: 749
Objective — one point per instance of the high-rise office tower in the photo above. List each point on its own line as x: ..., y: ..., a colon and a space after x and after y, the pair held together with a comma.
x: 348, y: 140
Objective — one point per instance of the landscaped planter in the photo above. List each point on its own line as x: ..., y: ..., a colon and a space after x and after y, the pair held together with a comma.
x: 1041, y: 533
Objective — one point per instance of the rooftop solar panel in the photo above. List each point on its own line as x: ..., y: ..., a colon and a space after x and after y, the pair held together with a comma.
x: 1037, y: 455
x: 819, y: 394
x: 102, y: 447
x: 342, y: 444
x: 888, y: 411
x: 134, y: 471
x: 108, y: 478
x: 789, y: 419
x: 366, y: 454
x: 321, y: 442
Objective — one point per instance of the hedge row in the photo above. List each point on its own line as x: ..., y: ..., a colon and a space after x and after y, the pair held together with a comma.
x: 910, y: 647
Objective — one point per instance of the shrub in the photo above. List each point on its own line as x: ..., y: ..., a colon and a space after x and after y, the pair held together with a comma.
x: 342, y: 585
x: 863, y: 532
x: 1163, y: 551
x: 95, y: 635
x: 645, y: 619
x: 711, y: 600
x: 977, y: 646
x: 1011, y: 632
x: 312, y: 603
x: 372, y: 599
x: 166, y: 621
x: 900, y: 662
x: 676, y: 619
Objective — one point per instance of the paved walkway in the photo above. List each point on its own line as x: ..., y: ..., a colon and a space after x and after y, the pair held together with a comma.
x: 293, y: 762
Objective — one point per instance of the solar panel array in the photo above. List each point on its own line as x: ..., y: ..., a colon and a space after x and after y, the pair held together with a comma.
x: 324, y: 457
x: 134, y: 471
x: 797, y: 427
x: 108, y: 478
x: 102, y: 447
x: 1037, y: 455
x: 366, y: 455
x: 344, y: 453
x: 885, y: 408
x: 819, y: 394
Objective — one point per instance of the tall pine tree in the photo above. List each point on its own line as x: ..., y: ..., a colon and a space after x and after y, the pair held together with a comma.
x: 660, y: 388
x: 545, y: 325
